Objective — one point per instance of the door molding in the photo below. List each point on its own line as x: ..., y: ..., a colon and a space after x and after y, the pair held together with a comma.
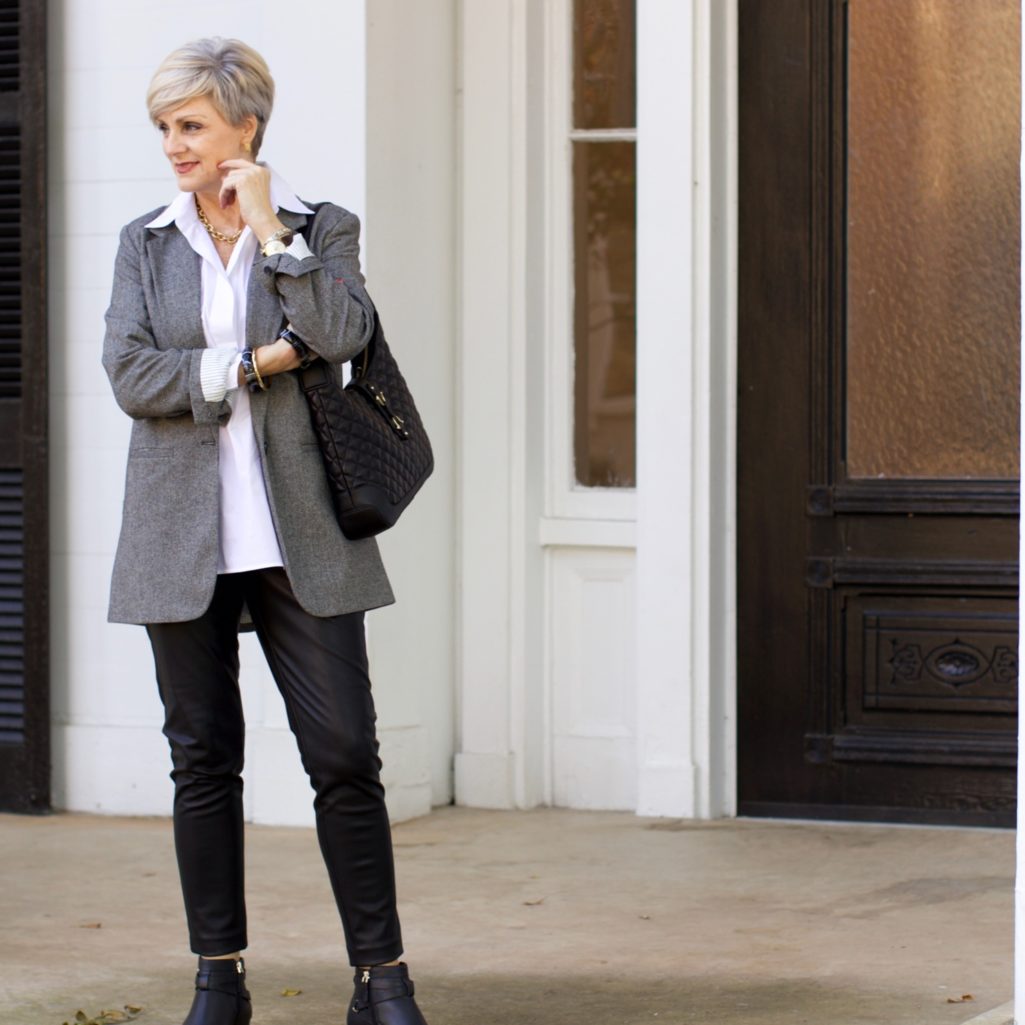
x: 686, y: 411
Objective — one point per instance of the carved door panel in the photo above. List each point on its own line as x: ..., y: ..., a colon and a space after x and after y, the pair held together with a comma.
x: 878, y: 408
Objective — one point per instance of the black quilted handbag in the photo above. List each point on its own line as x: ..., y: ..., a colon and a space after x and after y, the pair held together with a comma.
x: 376, y: 451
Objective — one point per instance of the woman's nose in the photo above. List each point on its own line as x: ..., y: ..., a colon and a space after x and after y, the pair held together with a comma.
x: 172, y: 144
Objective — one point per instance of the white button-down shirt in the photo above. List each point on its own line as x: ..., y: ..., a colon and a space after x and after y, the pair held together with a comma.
x: 247, y: 540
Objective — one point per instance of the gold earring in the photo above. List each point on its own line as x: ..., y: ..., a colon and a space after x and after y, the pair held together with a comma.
x: 247, y: 146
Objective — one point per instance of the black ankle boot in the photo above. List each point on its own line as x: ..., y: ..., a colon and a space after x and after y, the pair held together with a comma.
x: 384, y: 996
x: 221, y: 994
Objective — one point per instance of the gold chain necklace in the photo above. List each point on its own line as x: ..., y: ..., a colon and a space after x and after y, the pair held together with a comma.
x: 213, y: 232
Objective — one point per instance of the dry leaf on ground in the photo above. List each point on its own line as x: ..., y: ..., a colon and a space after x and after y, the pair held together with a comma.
x: 130, y: 1012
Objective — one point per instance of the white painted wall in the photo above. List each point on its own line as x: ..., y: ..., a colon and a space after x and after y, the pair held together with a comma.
x: 495, y: 643
x: 411, y: 222
x: 106, y: 167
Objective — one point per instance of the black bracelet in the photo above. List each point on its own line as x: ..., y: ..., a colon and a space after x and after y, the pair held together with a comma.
x: 252, y: 375
x: 305, y: 356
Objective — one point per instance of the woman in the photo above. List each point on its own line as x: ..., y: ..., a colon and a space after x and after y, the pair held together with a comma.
x: 227, y: 515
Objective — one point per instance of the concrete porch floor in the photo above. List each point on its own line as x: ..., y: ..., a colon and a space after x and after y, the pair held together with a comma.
x: 582, y: 918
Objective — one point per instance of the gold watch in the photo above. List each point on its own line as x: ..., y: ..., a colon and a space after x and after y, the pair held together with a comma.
x: 278, y: 242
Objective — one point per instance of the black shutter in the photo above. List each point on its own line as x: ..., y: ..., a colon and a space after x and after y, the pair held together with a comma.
x: 24, y: 521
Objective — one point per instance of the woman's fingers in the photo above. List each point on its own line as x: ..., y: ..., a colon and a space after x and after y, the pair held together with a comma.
x: 238, y: 162
x: 250, y: 184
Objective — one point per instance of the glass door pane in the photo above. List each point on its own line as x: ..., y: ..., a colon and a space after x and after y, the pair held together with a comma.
x: 933, y: 239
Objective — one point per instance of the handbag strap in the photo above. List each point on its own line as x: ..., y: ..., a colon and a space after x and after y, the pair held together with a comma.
x: 318, y: 375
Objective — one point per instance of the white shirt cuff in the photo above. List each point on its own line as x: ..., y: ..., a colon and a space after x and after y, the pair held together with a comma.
x: 298, y: 248
x: 218, y: 372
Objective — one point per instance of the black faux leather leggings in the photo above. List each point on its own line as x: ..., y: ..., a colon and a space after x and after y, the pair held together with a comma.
x: 320, y: 667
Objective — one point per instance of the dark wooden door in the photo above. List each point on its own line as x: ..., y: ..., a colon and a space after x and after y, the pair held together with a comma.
x: 878, y: 409
x: 24, y: 540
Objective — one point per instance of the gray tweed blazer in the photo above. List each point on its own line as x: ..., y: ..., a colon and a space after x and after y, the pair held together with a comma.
x: 166, y: 563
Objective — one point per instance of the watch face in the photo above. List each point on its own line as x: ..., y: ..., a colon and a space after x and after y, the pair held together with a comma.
x: 273, y: 248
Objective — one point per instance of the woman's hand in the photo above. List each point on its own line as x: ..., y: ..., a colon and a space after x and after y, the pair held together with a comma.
x: 278, y: 357
x: 248, y: 184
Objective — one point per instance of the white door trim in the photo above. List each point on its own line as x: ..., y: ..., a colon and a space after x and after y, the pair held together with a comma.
x: 686, y: 436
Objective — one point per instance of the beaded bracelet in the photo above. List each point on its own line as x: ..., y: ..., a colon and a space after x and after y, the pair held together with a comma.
x: 252, y: 372
x: 305, y: 356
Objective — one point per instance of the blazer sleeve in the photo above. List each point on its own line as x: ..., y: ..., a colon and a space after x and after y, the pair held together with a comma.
x: 323, y: 296
x: 149, y: 381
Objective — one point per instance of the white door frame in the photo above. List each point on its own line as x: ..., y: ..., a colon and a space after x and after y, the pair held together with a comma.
x: 684, y: 676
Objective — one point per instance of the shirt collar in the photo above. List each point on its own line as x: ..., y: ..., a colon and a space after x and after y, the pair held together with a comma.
x: 182, y: 209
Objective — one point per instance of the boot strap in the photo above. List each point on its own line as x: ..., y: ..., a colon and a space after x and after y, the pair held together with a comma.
x: 213, y: 984
x: 399, y: 988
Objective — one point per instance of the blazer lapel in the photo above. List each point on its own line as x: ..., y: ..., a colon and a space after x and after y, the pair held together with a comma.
x: 176, y: 277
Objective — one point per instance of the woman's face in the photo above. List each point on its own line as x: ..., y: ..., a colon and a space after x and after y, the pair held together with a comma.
x: 197, y: 139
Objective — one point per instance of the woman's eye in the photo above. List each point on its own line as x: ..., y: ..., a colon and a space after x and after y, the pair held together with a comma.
x: 191, y: 126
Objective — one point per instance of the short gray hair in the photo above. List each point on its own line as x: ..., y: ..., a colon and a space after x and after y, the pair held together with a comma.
x: 231, y: 74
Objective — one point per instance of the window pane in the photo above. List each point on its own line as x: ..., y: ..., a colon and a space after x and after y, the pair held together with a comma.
x: 604, y: 218
x: 603, y: 64
x: 933, y: 239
